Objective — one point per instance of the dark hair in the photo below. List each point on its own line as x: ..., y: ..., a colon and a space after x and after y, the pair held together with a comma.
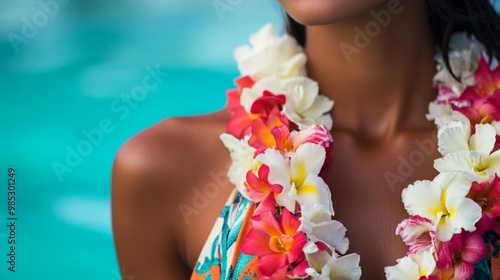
x: 476, y: 17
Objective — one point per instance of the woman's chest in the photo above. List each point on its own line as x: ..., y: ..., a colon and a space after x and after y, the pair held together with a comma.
x: 366, y: 184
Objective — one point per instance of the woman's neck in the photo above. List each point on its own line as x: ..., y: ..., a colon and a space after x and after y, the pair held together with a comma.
x: 378, y: 68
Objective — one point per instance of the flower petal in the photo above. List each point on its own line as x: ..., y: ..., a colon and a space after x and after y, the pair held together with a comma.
x: 345, y: 268
x: 313, y: 190
x: 464, y: 214
x: 331, y: 233
x: 405, y: 269
x: 453, y: 137
x: 313, y: 157
x: 463, y: 271
x: 474, y: 248
x: 279, y: 172
x: 412, y: 228
x: 484, y: 139
x: 493, y: 163
x: 270, y: 264
x: 462, y: 162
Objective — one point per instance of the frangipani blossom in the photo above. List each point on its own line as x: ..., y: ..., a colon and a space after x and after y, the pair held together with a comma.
x: 242, y: 156
x: 277, y: 244
x: 444, y: 202
x: 297, y: 172
x: 472, y: 156
x: 271, y: 55
x: 319, y: 227
x: 304, y: 106
x: 324, y: 266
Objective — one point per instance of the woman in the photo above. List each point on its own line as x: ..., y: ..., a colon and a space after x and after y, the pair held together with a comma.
x: 375, y: 59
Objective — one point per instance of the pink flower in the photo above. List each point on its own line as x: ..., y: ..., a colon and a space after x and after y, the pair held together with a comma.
x: 487, y: 81
x: 277, y: 243
x: 462, y: 252
x: 480, y: 103
x: 487, y: 195
x: 316, y: 134
x: 258, y: 187
x: 482, y: 108
x: 417, y: 233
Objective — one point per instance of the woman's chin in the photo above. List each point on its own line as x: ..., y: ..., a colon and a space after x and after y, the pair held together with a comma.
x: 323, y: 12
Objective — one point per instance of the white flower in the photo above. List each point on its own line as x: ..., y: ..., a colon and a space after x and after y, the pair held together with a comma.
x: 298, y: 175
x: 469, y: 156
x: 304, y: 106
x: 464, y: 60
x: 271, y: 55
x: 318, y: 226
x: 242, y: 160
x: 444, y: 202
x: 412, y: 267
x: 324, y: 266
x: 443, y: 114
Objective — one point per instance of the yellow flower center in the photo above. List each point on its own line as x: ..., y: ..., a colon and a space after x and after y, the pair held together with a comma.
x: 280, y: 244
x: 480, y: 169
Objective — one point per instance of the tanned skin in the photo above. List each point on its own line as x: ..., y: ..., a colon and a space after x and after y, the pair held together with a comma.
x: 381, y: 98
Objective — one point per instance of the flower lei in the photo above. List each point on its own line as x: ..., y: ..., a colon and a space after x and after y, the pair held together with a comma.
x: 279, y: 140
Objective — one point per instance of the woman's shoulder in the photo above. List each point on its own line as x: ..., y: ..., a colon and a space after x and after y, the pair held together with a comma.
x: 171, y: 147
x: 154, y: 173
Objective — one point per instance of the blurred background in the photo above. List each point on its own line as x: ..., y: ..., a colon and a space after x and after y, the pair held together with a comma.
x: 72, y: 91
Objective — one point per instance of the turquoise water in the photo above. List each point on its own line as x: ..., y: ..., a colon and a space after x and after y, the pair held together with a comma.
x: 80, y: 72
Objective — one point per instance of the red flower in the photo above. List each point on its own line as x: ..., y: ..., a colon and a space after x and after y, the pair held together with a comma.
x: 277, y: 243
x: 270, y: 132
x: 239, y: 120
x: 258, y: 188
